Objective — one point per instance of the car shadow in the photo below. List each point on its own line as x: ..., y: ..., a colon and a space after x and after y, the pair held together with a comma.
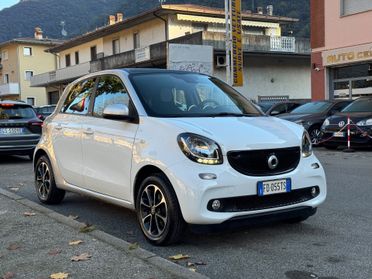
x: 9, y: 159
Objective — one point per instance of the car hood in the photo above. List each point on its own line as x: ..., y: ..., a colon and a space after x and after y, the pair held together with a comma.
x: 243, y: 133
x: 355, y: 117
x: 297, y: 117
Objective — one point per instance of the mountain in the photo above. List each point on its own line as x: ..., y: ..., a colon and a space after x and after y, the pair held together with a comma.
x: 84, y: 15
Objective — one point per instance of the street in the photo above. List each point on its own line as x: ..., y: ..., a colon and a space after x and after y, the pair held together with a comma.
x: 335, y: 243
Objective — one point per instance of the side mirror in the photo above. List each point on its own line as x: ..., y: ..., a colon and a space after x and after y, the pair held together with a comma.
x: 41, y: 117
x: 116, y: 111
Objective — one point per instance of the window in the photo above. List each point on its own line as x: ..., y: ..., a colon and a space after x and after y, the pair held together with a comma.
x: 78, y: 99
x: 53, y: 97
x: 352, y: 7
x: 115, y: 46
x: 93, y: 53
x: 77, y: 58
x: 279, y: 109
x: 29, y: 75
x: 68, y: 60
x: 30, y: 101
x: 6, y: 78
x: 4, y: 55
x: 17, y: 111
x: 110, y: 90
x: 27, y: 51
x: 136, y: 40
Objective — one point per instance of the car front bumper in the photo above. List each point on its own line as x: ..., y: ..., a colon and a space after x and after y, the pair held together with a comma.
x: 194, y: 193
x: 358, y: 138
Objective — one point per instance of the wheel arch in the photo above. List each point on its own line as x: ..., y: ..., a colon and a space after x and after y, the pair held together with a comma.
x: 38, y: 154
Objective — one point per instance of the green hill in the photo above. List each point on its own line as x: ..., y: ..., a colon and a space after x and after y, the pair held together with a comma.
x: 84, y: 15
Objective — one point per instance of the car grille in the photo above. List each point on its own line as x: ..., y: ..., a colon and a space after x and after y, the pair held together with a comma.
x: 254, y: 203
x: 255, y: 162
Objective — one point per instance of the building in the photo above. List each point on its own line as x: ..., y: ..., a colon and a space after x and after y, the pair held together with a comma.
x: 20, y: 59
x: 341, y: 43
x: 274, y: 64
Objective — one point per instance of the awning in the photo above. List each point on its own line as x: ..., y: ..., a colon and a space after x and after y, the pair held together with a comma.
x: 207, y: 19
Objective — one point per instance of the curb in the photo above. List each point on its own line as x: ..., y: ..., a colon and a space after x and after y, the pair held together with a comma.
x: 177, y: 270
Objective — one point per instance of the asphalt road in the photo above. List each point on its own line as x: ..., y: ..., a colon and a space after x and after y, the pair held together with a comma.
x: 335, y: 243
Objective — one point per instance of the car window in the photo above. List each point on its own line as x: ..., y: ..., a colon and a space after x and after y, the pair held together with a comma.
x: 77, y: 101
x: 110, y: 91
x: 340, y: 106
x: 13, y: 111
x: 279, y: 108
x: 189, y: 95
x: 361, y: 105
x: 292, y: 106
x: 313, y: 107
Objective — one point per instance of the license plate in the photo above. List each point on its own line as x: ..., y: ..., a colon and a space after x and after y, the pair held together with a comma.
x: 11, y: 131
x: 339, y: 134
x: 272, y: 187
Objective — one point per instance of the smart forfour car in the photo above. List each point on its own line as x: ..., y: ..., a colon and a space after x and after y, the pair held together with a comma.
x: 178, y: 148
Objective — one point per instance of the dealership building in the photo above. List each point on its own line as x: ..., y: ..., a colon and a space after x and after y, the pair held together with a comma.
x: 341, y: 43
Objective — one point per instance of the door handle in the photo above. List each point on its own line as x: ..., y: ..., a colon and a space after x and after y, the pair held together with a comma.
x: 88, y: 131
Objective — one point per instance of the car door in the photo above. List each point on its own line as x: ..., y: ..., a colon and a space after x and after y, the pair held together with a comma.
x: 107, y: 144
x: 67, y: 132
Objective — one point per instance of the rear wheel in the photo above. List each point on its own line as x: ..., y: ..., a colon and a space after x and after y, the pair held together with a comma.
x: 158, y: 211
x: 46, y: 189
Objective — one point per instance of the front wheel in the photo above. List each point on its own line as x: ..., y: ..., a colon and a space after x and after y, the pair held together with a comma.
x: 158, y: 211
x: 46, y: 189
x: 315, y: 135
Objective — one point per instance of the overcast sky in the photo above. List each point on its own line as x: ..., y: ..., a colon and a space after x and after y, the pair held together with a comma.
x: 7, y: 3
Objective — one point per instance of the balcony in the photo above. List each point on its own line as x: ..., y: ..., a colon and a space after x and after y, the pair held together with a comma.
x: 61, y: 75
x: 261, y: 43
x: 9, y: 89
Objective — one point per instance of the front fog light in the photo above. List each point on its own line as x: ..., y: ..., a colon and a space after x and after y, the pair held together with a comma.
x: 216, y: 205
x: 314, y: 192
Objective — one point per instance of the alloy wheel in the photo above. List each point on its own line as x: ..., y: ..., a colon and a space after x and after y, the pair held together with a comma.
x: 315, y: 136
x: 43, y: 180
x: 153, y: 211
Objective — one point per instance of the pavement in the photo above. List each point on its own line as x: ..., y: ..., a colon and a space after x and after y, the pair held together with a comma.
x: 36, y: 242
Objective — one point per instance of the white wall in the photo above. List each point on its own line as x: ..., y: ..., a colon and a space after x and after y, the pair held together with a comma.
x: 291, y: 76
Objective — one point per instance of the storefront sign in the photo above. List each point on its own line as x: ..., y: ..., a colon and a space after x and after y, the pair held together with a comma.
x: 347, y: 55
x: 236, y: 49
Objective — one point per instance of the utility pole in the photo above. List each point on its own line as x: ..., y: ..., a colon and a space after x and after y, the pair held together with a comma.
x: 228, y: 42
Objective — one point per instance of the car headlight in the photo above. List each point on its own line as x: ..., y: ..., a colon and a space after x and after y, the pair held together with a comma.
x: 326, y: 123
x: 367, y: 122
x: 307, y: 147
x: 200, y: 149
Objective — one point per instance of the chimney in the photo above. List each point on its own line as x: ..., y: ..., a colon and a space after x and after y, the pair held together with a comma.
x: 112, y: 20
x: 38, y: 33
x: 260, y: 10
x: 119, y: 17
x: 270, y: 10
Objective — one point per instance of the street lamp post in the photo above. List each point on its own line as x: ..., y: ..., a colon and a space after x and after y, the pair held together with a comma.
x: 228, y: 43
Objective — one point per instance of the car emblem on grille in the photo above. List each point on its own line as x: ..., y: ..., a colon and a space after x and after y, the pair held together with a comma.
x: 273, y: 162
x: 341, y: 124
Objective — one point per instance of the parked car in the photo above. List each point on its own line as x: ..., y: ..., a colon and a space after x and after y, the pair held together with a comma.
x: 278, y: 108
x: 334, y: 128
x: 178, y: 148
x: 312, y: 115
x: 44, y: 111
x: 20, y: 128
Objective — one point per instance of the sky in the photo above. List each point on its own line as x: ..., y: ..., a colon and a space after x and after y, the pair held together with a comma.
x: 7, y: 3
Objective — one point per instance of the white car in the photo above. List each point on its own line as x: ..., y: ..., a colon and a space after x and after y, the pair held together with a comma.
x: 178, y: 148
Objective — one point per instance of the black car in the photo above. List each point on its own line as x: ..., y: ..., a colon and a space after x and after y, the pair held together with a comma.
x: 20, y: 128
x: 313, y: 114
x: 270, y: 108
x: 334, y: 128
x: 44, y: 111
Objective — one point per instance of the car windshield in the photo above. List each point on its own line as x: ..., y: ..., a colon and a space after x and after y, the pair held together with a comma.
x: 265, y: 107
x: 361, y: 105
x: 10, y: 111
x: 189, y: 95
x: 313, y: 107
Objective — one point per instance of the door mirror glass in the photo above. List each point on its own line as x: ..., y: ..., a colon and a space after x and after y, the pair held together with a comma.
x: 116, y: 111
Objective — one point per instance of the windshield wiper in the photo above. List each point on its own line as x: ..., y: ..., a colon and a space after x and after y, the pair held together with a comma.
x: 227, y: 114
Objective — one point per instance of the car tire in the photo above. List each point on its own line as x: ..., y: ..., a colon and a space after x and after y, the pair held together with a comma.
x: 158, y: 211
x: 46, y: 189
x: 315, y: 134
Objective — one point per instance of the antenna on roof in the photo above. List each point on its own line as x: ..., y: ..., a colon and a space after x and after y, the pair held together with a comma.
x: 63, y: 32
